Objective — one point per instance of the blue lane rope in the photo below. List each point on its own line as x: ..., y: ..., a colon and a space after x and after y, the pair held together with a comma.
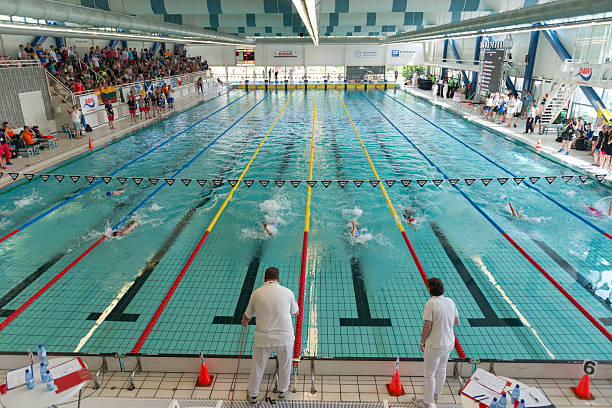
x: 66, y: 201
x: 476, y: 206
x: 128, y: 215
x: 572, y: 212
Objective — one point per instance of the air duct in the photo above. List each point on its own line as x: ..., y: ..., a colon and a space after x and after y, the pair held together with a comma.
x: 529, y: 15
x: 90, y: 17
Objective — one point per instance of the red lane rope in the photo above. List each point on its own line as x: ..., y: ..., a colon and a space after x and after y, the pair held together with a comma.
x: 162, y: 306
x: 297, y: 347
x: 565, y: 293
x: 10, y: 234
x: 31, y: 300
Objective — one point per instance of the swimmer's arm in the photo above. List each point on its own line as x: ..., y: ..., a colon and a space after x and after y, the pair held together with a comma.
x: 514, y: 214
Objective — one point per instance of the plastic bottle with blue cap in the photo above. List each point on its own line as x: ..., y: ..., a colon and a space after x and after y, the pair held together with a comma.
x: 49, y: 381
x: 494, y: 403
x: 502, y: 401
x: 516, y: 394
x: 29, y: 379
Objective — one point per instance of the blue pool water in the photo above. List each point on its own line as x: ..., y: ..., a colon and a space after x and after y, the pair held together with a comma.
x: 363, y: 298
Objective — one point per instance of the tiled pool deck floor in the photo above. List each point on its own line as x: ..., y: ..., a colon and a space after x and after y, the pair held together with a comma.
x: 181, y: 386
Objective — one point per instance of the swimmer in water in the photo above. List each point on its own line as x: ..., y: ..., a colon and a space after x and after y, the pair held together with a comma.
x: 129, y: 227
x: 267, y: 229
x: 513, y: 211
x: 408, y: 214
x: 114, y: 193
x: 354, y: 231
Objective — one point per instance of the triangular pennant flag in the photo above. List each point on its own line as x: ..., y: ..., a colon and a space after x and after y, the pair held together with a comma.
x: 264, y: 182
x: 202, y: 182
x: 406, y: 183
x: 469, y: 181
x: 326, y: 183
x: 137, y: 180
x: 358, y: 183
x: 390, y: 182
x: 232, y: 182
x: 249, y: 183
x: 170, y: 181
x: 550, y: 179
x: 44, y: 177
x: 600, y: 177
x: 502, y: 180
x: 75, y: 178
x: 59, y: 177
x: 121, y: 179
x: 152, y: 180
x: 583, y: 178
x: 342, y: 183
x: 217, y: 183
x: 422, y: 182
x: 28, y: 176
x: 437, y: 182
x: 374, y: 183
x: 186, y: 181
x: 533, y: 179
x: 90, y: 179
x: 311, y: 183
x: 15, y: 175
x: 107, y: 179
x: 567, y: 178
x: 453, y: 181
x: 296, y: 182
x: 486, y: 181
x: 518, y: 180
x: 279, y: 182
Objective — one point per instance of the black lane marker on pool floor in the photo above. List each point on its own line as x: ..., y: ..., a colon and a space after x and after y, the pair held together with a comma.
x: 490, y: 317
x: 21, y: 286
x: 569, y: 269
x: 251, y: 276
x: 364, y: 315
x: 118, y: 313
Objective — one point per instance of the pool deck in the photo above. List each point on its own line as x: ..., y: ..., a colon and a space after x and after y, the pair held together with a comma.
x: 101, y: 135
x: 578, y: 159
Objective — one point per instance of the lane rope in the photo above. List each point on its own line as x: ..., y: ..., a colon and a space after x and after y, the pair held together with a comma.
x: 66, y: 201
x: 177, y: 281
x: 553, y: 200
x: 24, y: 306
x: 569, y: 297
x: 297, y: 346
x: 413, y: 253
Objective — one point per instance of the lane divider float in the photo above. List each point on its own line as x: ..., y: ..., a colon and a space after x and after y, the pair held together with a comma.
x: 398, y: 222
x: 160, y: 309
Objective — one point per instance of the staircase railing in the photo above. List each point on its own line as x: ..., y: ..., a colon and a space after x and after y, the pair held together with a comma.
x: 59, y: 89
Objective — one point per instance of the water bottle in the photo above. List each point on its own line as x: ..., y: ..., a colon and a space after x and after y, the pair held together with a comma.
x: 29, y: 378
x: 43, y: 372
x: 494, y: 403
x: 516, y: 394
x: 42, y: 354
x: 49, y: 381
x: 521, y: 404
x: 502, y: 401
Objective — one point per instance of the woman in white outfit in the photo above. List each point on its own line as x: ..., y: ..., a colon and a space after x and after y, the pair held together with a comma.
x: 437, y: 340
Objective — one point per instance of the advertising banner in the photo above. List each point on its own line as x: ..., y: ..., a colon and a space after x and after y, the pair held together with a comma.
x: 89, y: 103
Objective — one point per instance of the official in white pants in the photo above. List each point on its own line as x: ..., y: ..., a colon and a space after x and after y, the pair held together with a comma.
x: 273, y: 305
x: 437, y: 340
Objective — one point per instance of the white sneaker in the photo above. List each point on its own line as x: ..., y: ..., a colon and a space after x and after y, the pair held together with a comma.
x: 251, y: 400
x: 419, y: 403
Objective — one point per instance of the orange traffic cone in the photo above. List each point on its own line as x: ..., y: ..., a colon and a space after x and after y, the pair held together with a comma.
x: 204, y: 379
x: 539, y: 144
x: 90, y: 144
x: 395, y: 388
x: 583, y: 390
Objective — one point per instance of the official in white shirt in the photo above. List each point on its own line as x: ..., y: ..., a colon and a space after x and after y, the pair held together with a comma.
x: 273, y: 306
x: 437, y: 340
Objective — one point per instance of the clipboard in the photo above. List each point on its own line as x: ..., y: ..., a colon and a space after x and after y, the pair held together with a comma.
x: 474, y: 389
x: 16, y: 378
x: 69, y: 374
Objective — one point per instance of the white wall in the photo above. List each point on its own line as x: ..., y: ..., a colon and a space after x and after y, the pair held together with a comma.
x: 336, y: 54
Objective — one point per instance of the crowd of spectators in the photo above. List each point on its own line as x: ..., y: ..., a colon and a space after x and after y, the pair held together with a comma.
x: 110, y: 66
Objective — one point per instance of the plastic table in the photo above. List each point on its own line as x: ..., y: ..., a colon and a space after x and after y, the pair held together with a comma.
x: 39, y: 397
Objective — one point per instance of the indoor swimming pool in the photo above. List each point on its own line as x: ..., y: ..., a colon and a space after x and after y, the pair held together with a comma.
x: 68, y: 283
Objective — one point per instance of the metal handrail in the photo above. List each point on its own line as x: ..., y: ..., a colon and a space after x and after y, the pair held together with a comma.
x: 89, y: 68
x: 62, y: 86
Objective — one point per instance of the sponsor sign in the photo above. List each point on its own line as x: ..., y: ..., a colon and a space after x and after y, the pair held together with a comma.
x: 285, y: 54
x: 585, y: 74
x: 89, y: 103
x: 365, y: 54
x: 402, y: 53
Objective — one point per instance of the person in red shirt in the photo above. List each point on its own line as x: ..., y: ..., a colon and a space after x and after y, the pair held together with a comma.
x: 78, y: 88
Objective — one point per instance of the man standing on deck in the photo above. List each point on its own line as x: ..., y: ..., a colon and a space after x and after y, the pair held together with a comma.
x: 273, y: 305
x: 437, y: 340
